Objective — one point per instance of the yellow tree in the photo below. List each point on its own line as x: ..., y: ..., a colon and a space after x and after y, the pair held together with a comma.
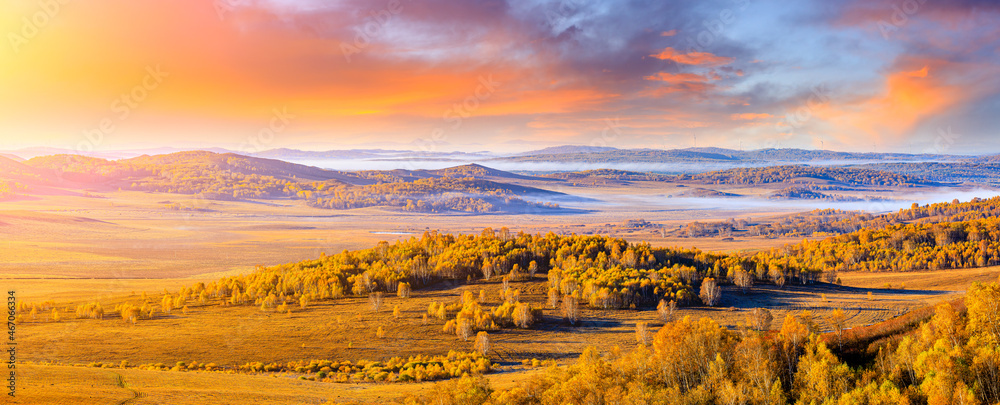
x: 571, y: 308
x: 375, y: 299
x: 983, y: 303
x: 666, y: 310
x: 167, y: 304
x: 838, y: 319
x: 757, y: 368
x: 483, y: 343
x: 684, y: 350
x: 791, y: 338
x: 553, y: 298
x: 760, y: 319
x: 524, y: 316
x: 711, y: 293
x: 403, y: 290
x: 642, y: 333
x: 820, y: 374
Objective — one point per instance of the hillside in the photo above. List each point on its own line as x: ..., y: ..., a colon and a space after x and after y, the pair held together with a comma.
x: 980, y: 172
x: 481, y: 172
x: 470, y: 188
x: 720, y: 155
x: 823, y: 178
x: 565, y: 149
x: 623, y: 156
x: 830, y: 221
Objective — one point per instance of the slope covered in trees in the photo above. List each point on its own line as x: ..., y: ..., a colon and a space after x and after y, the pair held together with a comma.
x: 602, y: 271
x: 806, y: 175
x: 831, y: 221
x: 428, y: 195
x: 717, y: 155
x: 905, y: 247
x: 951, y: 359
x: 982, y: 171
x: 235, y: 177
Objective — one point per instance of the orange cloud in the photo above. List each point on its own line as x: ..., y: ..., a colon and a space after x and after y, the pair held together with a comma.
x: 918, y: 73
x: 675, y: 78
x: 910, y: 96
x: 751, y: 116
x: 668, y: 33
x: 693, y: 58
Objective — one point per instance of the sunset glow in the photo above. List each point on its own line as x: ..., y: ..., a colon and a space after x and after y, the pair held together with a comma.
x: 372, y: 74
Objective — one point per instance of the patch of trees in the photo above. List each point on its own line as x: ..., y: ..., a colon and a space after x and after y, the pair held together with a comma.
x: 413, y: 369
x: 986, y: 171
x: 427, y: 195
x: 951, y: 359
x: 804, y: 193
x: 832, y: 221
x: 10, y: 188
x: 903, y: 247
x: 805, y: 175
x: 608, y: 174
x: 598, y: 271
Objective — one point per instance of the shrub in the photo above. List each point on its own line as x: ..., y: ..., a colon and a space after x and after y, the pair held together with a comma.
x: 760, y: 319
x: 666, y: 310
x: 642, y: 334
x: 403, y: 290
x: 375, y: 299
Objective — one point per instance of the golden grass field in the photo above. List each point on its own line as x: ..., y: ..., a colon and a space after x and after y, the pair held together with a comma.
x: 74, y: 250
x: 77, y: 385
x: 344, y: 329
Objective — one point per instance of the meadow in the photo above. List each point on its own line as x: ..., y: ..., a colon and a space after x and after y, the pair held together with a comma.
x: 64, y: 250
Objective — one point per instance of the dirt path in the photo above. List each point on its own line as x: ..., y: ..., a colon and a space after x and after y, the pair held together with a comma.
x: 136, y: 394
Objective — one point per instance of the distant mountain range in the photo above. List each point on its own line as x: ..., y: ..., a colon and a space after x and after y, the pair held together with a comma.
x: 469, y: 186
x: 565, y: 153
x: 719, y: 155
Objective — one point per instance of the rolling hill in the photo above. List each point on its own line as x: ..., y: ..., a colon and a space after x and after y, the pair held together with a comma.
x: 227, y: 176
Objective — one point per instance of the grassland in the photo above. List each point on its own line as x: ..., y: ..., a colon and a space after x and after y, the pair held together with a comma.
x: 345, y: 329
x: 74, y: 249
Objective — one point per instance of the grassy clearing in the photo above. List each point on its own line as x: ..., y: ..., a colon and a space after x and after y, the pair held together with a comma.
x: 345, y: 329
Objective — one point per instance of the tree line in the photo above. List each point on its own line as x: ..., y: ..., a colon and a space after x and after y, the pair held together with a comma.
x: 832, y: 221
x: 953, y: 358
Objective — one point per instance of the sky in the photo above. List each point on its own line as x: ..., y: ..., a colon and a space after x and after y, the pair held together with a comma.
x: 917, y: 76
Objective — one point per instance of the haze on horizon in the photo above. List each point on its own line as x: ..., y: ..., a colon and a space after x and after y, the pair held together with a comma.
x: 502, y: 76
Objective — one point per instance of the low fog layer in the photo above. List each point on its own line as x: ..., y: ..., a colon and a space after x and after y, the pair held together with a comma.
x: 547, y: 167
x: 752, y: 204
